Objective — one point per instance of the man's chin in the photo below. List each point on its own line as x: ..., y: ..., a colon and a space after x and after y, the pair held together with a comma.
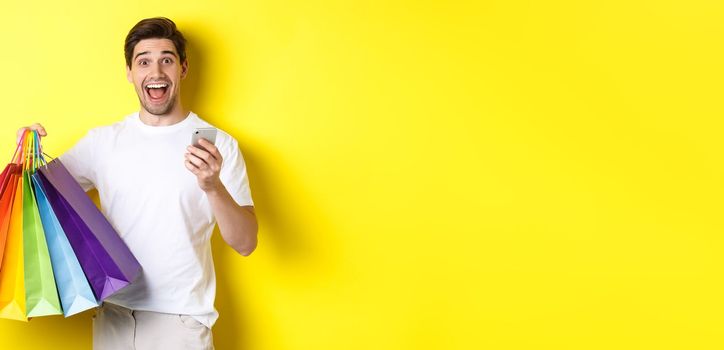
x: 158, y: 110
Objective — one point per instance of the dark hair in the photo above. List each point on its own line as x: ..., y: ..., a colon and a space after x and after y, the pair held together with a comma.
x: 155, y: 28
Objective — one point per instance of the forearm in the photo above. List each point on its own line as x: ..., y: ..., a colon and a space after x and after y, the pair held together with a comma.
x: 237, y: 224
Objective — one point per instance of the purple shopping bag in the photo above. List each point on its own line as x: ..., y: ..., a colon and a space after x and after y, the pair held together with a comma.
x: 106, y: 260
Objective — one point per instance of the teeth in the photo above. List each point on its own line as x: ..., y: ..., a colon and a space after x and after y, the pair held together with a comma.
x: 156, y: 86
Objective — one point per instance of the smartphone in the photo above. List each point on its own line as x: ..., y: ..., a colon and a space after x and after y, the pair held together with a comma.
x: 203, y: 133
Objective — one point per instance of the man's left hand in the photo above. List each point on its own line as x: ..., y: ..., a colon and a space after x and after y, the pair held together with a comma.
x: 205, y: 163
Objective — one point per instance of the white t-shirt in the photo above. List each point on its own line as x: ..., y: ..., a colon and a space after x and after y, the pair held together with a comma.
x: 158, y: 208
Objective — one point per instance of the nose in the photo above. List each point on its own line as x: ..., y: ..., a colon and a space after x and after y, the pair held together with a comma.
x: 156, y: 70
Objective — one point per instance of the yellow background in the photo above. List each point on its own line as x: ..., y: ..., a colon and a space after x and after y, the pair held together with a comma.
x: 427, y: 174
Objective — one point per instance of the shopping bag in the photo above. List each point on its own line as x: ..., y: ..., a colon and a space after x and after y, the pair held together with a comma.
x: 12, y: 278
x: 3, y: 176
x: 41, y: 294
x: 5, y: 201
x: 8, y: 186
x: 106, y: 260
x: 7, y: 193
x: 73, y: 288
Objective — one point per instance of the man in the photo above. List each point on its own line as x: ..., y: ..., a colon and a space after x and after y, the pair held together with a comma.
x: 164, y: 198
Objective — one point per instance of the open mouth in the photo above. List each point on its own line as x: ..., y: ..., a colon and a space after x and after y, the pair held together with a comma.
x: 156, y: 92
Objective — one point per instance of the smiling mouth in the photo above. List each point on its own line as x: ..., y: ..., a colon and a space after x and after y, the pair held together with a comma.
x: 156, y: 92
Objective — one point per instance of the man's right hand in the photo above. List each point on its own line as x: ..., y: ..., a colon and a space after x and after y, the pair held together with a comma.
x: 37, y: 127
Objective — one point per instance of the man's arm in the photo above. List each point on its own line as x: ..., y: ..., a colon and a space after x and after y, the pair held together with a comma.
x: 237, y: 224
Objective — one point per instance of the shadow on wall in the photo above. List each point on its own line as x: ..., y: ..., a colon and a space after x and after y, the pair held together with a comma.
x: 233, y: 325
x: 285, y: 241
x: 194, y: 81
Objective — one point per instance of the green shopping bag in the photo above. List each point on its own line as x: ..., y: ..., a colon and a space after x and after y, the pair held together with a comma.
x: 41, y: 295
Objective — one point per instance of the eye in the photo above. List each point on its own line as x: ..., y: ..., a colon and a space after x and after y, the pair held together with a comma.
x: 142, y: 62
x: 167, y: 60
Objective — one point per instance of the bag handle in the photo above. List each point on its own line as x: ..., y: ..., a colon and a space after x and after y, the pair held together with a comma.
x: 19, y: 150
x: 32, y: 147
x: 27, y: 153
x: 39, y: 151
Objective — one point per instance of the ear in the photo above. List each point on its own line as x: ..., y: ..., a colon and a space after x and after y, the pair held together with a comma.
x: 185, y: 68
x: 128, y: 74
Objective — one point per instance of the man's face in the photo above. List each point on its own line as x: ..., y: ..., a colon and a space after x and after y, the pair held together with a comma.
x: 156, y: 74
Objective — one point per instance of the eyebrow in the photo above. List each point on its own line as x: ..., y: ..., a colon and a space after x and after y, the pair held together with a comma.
x: 162, y: 52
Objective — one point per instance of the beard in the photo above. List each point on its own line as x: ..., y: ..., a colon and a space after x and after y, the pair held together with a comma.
x: 155, y: 109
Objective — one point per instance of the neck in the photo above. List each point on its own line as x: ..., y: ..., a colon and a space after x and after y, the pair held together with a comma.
x: 176, y: 115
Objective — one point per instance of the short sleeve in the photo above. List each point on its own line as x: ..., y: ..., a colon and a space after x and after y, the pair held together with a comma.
x: 79, y: 160
x: 233, y: 173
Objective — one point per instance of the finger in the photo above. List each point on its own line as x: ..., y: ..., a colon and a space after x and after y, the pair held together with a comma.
x: 191, y: 167
x: 210, y: 147
x: 201, y: 154
x: 210, y: 162
x: 214, y: 163
x: 214, y: 151
x: 39, y: 128
x: 198, y: 162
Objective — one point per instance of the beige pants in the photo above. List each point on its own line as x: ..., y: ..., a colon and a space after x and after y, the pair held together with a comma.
x: 118, y: 328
